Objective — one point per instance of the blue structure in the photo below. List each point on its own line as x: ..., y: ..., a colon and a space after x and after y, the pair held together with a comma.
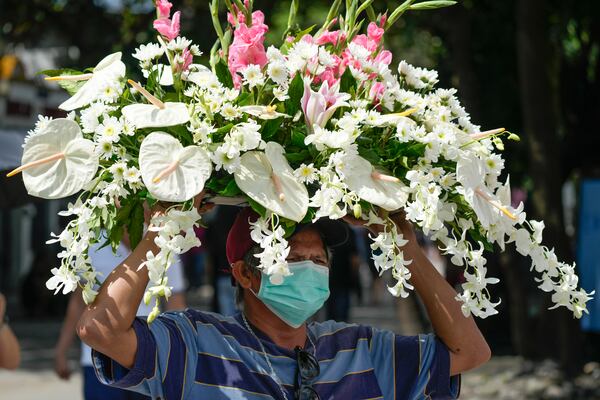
x: 588, y: 249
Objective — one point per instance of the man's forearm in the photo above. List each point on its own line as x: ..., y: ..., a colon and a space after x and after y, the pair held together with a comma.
x: 116, y: 305
x: 460, y: 334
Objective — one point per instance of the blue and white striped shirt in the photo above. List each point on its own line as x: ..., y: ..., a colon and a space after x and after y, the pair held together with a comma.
x: 201, y: 355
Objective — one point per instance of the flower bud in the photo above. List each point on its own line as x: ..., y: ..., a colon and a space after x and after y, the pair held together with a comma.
x: 357, y: 210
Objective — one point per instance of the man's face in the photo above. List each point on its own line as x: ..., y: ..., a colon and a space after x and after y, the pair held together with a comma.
x: 304, y: 245
x: 307, y: 245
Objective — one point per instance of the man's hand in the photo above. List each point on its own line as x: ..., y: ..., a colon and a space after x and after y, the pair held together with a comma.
x: 2, y: 307
x: 398, y: 217
x: 61, y: 365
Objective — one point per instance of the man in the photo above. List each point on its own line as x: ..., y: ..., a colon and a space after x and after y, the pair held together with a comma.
x: 269, y: 351
x: 104, y: 261
x: 10, y: 351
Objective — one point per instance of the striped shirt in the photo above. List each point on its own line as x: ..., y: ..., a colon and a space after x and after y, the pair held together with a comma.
x: 201, y: 355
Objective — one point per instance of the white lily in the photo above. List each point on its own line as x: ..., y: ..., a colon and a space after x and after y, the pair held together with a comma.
x: 394, y: 119
x: 170, y: 171
x: 157, y: 114
x: 57, y: 162
x: 110, y: 68
x: 267, y: 178
x: 385, y: 191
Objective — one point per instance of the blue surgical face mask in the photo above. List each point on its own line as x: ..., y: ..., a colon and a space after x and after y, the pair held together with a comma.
x: 299, y: 296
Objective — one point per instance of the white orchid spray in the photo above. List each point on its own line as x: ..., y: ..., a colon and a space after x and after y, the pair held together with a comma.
x: 320, y: 125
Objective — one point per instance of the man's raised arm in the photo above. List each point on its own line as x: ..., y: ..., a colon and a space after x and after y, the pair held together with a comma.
x: 106, y: 324
x: 468, y: 348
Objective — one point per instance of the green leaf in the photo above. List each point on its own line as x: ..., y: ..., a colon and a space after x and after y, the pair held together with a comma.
x: 295, y: 92
x: 136, y: 224
x: 310, y: 214
x: 298, y: 138
x: 270, y: 128
x: 296, y: 158
x: 244, y: 99
x: 347, y: 81
x: 222, y: 72
x: 478, y: 237
x: 432, y: 5
x: 115, y: 237
x: 262, y: 211
x: 70, y: 86
x: 231, y: 189
x: 369, y: 155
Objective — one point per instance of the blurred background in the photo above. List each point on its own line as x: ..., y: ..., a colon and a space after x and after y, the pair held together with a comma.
x: 531, y: 66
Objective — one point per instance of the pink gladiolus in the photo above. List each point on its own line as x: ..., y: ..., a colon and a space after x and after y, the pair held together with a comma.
x: 332, y: 37
x: 248, y: 46
x: 164, y: 8
x: 374, y: 32
x: 318, y: 107
x: 377, y: 91
x: 384, y: 57
x: 185, y: 61
x: 167, y: 27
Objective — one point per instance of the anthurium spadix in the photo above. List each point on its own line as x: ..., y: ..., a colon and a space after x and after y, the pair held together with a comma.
x: 385, y: 191
x: 170, y: 171
x: 57, y: 162
x: 156, y: 114
x: 267, y: 178
x: 110, y: 68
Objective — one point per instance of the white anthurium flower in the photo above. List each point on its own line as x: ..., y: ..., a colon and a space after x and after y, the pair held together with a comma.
x: 110, y: 68
x: 157, y: 114
x: 164, y: 72
x: 57, y: 162
x: 170, y: 171
x: 263, y: 112
x: 385, y: 191
x: 267, y: 178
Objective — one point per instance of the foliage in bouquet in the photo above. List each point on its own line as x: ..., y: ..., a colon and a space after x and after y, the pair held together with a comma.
x: 318, y: 126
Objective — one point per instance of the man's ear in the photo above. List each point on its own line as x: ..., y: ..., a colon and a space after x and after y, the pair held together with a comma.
x: 241, y: 274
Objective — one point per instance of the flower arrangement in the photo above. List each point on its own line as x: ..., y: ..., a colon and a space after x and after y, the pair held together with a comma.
x: 321, y: 126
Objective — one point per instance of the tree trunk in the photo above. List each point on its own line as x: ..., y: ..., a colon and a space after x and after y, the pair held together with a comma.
x: 557, y: 332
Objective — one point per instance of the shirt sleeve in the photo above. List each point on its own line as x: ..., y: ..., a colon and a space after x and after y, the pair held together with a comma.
x: 413, y: 367
x: 165, y: 359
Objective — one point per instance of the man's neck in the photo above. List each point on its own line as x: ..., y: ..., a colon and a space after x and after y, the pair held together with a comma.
x: 278, y: 331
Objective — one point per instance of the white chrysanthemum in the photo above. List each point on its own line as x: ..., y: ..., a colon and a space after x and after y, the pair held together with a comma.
x: 179, y: 44
x: 230, y: 111
x: 110, y: 129
x: 105, y: 148
x: 132, y: 175
x: 148, y: 52
x: 306, y: 173
x: 118, y: 171
x: 253, y: 76
x: 278, y: 72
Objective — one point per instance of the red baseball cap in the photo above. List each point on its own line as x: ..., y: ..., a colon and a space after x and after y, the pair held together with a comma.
x: 239, y: 242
